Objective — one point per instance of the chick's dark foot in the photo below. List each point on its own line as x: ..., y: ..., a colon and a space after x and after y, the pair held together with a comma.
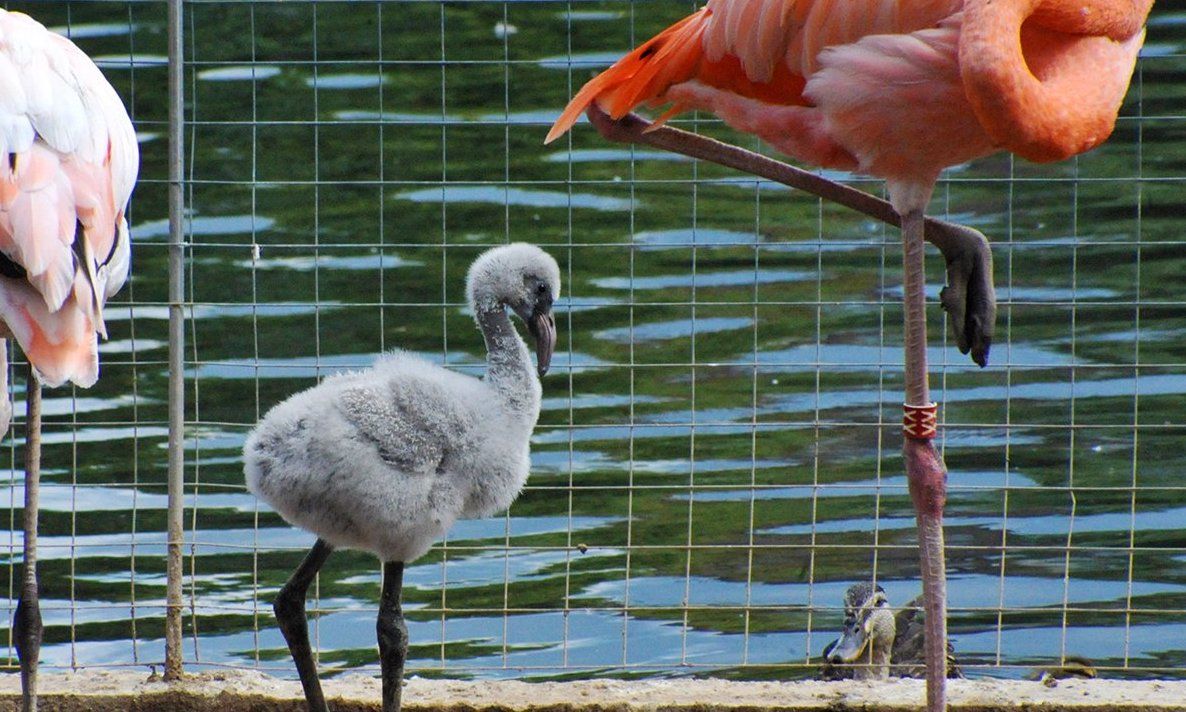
x: 969, y: 297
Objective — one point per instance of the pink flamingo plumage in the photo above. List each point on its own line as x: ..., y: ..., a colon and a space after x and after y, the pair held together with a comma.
x: 68, y: 162
x: 898, y: 89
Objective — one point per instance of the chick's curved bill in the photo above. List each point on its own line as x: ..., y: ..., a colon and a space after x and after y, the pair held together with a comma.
x: 542, y: 326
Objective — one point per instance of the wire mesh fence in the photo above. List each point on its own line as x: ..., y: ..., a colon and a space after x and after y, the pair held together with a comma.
x: 717, y: 457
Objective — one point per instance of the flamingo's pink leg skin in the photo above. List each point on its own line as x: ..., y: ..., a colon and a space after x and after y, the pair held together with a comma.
x: 924, y: 467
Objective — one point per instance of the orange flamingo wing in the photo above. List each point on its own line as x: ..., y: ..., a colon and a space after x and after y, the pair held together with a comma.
x: 704, y: 46
x: 755, y: 49
x: 68, y: 162
x: 896, y: 88
x: 670, y: 57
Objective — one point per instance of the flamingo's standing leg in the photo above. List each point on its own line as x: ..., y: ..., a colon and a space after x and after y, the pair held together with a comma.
x: 289, y: 607
x: 924, y: 468
x: 969, y: 299
x: 393, y: 635
x: 27, y: 625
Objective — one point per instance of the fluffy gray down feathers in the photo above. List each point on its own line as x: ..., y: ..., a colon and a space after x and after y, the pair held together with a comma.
x: 387, y: 459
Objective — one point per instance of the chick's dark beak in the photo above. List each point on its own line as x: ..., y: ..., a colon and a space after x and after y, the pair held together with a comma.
x: 542, y: 326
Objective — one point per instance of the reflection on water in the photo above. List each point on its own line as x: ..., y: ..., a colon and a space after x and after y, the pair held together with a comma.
x: 682, y: 238
x: 717, y: 457
x: 239, y: 73
x: 594, y: 155
x: 207, y: 226
x: 712, y: 279
x: 499, y: 195
x: 346, y: 81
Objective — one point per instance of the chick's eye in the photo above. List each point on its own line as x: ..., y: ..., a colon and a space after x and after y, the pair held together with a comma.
x: 542, y: 288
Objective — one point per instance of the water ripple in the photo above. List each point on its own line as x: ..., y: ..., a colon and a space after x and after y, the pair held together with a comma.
x: 498, y: 195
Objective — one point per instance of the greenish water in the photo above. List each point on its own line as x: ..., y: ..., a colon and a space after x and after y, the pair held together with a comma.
x: 717, y: 459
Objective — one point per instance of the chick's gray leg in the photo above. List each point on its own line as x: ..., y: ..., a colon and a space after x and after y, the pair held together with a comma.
x: 969, y: 297
x: 393, y: 635
x: 289, y: 607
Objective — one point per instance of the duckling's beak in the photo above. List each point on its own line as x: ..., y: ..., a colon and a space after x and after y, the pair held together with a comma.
x: 850, y: 647
x: 542, y: 326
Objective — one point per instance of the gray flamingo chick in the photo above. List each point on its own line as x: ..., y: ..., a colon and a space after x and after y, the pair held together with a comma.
x: 387, y: 459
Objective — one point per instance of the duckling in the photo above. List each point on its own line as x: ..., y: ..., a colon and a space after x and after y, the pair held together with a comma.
x: 1073, y: 666
x: 877, y: 642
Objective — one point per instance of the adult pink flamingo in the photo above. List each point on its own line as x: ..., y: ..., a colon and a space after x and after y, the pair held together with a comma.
x: 68, y: 161
x: 898, y: 89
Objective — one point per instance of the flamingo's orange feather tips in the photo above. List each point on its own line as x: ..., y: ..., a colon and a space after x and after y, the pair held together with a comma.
x: 642, y: 76
x: 559, y: 128
x: 675, y: 110
x: 697, y: 47
x: 568, y: 117
x: 61, y: 344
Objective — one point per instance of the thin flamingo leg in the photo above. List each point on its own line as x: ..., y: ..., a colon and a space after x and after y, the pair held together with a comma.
x: 925, y: 470
x: 926, y: 473
x: 27, y: 621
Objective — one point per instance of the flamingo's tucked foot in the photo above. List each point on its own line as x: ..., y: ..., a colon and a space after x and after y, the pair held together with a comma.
x: 969, y: 297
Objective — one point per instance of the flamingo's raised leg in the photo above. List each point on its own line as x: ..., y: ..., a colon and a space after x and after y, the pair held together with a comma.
x: 969, y: 297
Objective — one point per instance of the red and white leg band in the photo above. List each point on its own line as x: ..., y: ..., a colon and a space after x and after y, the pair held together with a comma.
x: 920, y: 422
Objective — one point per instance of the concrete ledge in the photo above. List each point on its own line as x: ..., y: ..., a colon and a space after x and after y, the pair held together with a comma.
x: 233, y: 690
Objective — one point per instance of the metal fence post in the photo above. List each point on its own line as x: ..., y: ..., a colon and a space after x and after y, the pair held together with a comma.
x: 176, y: 480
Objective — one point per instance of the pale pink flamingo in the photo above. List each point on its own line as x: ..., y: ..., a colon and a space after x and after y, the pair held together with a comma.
x: 68, y: 161
x: 899, y: 90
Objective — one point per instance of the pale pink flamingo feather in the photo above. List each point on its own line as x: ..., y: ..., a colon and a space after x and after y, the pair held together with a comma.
x: 68, y: 161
